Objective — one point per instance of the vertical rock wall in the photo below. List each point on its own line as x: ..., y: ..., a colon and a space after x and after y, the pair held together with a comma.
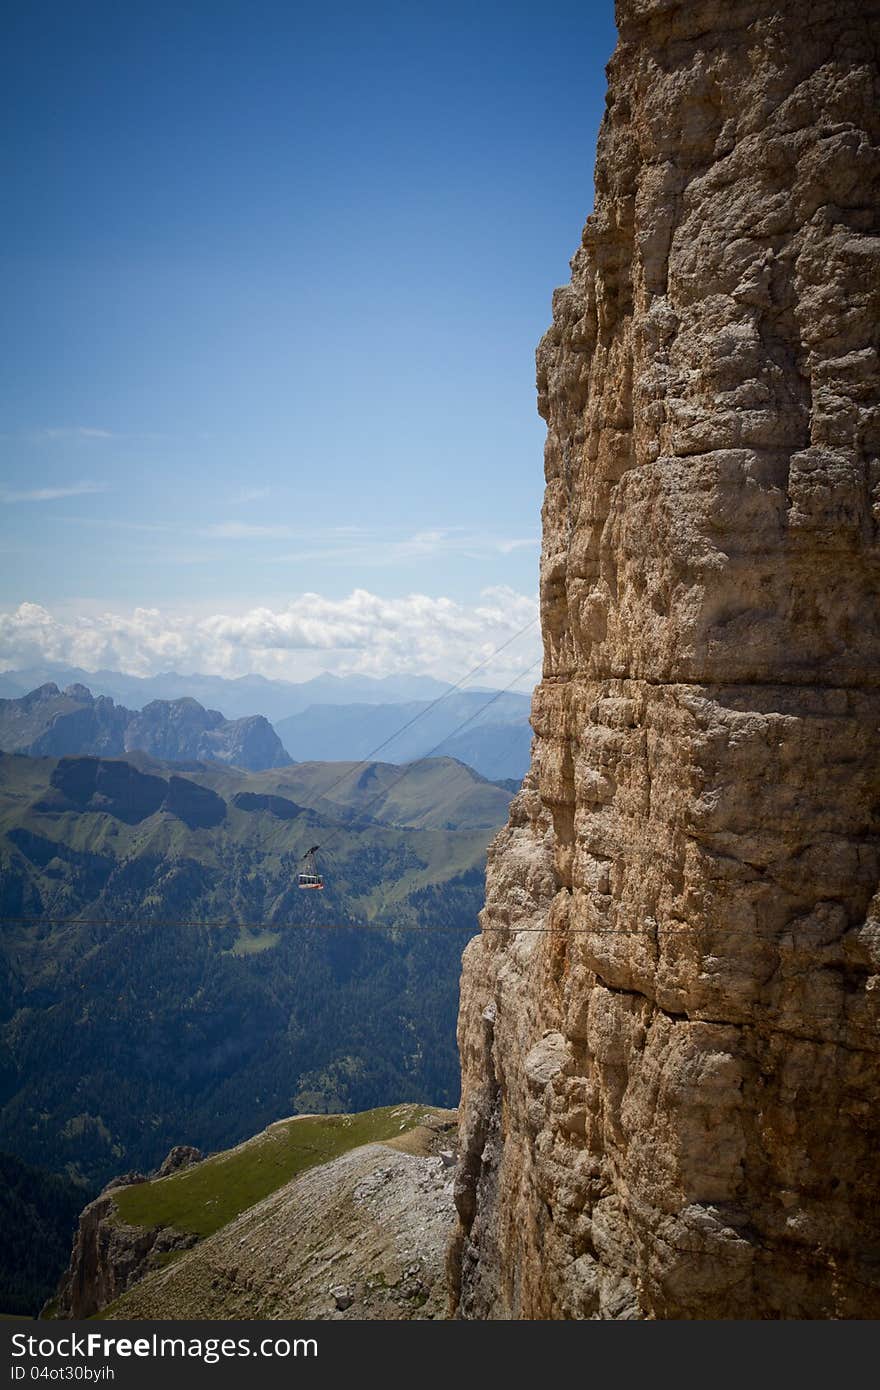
x: 669, y: 1026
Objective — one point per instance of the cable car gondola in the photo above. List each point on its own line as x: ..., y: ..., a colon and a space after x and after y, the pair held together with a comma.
x: 309, y: 876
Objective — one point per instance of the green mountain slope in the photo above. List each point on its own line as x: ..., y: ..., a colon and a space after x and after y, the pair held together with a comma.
x: 437, y: 793
x: 203, y: 1198
x: 130, y: 1029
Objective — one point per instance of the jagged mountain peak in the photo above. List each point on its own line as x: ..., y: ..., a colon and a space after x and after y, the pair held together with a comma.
x: 46, y: 722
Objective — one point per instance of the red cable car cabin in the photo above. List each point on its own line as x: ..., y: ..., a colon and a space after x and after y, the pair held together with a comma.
x: 309, y: 876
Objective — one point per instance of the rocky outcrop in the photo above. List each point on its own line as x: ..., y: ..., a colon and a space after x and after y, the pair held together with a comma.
x: 49, y: 722
x: 180, y: 1157
x: 108, y: 1255
x: 177, y: 730
x: 669, y: 1023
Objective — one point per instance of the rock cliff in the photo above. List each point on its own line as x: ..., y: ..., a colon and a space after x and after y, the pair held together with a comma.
x: 109, y: 1255
x: 669, y: 1023
x: 49, y: 722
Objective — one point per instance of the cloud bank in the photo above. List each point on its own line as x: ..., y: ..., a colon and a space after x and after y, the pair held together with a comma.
x: 356, y: 545
x: 52, y: 494
x: 362, y: 633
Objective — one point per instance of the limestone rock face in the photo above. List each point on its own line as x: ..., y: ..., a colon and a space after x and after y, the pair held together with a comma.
x: 108, y: 1256
x: 669, y: 1025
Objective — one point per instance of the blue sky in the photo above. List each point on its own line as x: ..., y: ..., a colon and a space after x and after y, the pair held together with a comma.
x: 273, y: 278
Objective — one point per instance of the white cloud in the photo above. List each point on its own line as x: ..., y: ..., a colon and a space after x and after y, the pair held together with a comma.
x: 375, y: 549
x: 52, y: 494
x: 521, y: 543
x: 73, y: 432
x: 349, y: 545
x: 246, y: 531
x: 361, y: 633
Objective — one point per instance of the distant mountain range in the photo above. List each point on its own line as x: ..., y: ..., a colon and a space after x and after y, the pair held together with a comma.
x: 245, y: 695
x: 495, y: 740
x: 335, y: 719
x: 51, y: 722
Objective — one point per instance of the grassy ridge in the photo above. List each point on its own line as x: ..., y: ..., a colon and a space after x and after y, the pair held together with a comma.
x: 201, y: 1199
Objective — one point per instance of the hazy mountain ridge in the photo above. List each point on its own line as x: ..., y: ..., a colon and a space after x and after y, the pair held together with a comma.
x: 49, y: 722
x: 500, y: 752
x: 491, y: 734
x: 489, y: 731
x: 237, y: 697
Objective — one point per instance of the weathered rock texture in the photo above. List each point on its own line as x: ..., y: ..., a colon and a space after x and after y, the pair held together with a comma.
x: 671, y: 1088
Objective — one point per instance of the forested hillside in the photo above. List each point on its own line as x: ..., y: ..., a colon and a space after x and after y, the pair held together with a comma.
x: 38, y: 1215
x: 197, y: 994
